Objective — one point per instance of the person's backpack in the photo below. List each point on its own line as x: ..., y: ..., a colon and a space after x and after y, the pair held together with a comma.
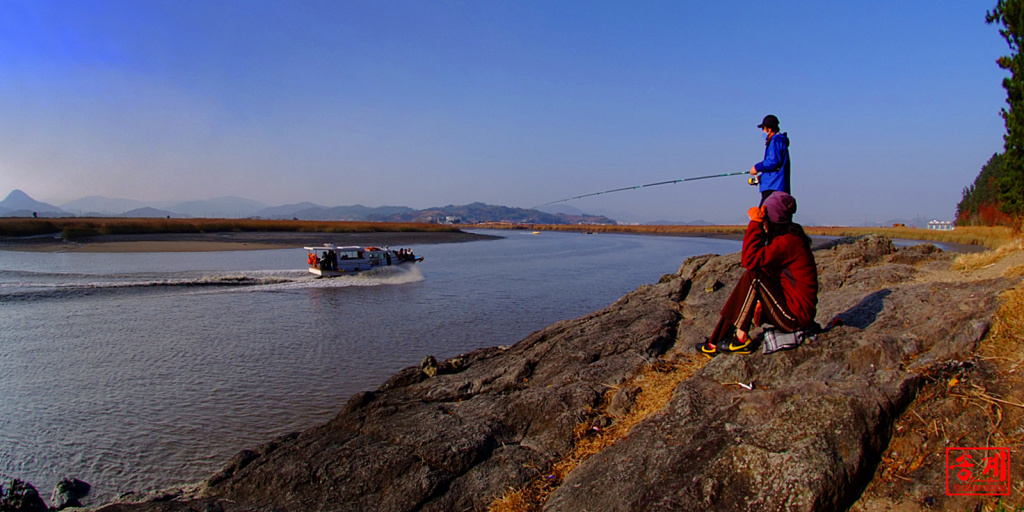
x: 775, y: 340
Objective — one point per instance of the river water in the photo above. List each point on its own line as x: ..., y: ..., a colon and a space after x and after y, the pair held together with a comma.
x: 137, y: 371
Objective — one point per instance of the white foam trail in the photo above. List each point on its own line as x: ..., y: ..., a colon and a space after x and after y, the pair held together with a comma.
x: 227, y: 282
x: 384, y: 276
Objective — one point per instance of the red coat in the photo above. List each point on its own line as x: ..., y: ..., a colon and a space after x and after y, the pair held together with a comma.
x: 789, y: 261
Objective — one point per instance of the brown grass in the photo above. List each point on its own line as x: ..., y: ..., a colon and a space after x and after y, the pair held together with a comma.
x: 1005, y: 341
x: 979, y: 260
x: 990, y: 237
x: 979, y: 402
x: 656, y: 381
x: 78, y: 227
x: 619, y: 228
x: 1003, y: 397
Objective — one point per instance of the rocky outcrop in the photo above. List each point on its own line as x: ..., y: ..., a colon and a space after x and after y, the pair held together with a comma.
x: 809, y: 435
x: 69, y: 493
x: 21, y: 497
x: 805, y: 433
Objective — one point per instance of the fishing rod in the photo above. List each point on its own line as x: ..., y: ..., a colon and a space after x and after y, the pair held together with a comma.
x: 648, y: 185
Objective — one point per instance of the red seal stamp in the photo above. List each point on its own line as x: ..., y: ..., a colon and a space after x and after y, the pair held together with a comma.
x: 977, y: 471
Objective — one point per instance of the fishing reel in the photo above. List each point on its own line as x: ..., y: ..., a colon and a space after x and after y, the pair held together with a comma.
x: 754, y: 181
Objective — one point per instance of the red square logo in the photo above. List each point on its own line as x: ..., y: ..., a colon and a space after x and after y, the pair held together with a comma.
x: 977, y: 471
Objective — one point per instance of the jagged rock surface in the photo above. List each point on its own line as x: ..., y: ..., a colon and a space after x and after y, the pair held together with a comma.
x: 807, y: 437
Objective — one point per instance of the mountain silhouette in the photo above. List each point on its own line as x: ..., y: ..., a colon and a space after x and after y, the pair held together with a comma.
x: 18, y: 203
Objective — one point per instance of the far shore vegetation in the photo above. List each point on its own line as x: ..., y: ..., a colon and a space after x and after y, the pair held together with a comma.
x: 72, y: 228
x: 990, y: 237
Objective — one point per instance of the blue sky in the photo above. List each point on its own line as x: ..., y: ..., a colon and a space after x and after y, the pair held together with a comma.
x: 891, y: 108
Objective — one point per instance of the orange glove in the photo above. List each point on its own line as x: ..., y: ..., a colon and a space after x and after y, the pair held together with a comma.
x: 756, y: 214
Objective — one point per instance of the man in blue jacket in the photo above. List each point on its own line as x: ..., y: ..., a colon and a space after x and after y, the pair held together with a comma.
x: 774, y: 169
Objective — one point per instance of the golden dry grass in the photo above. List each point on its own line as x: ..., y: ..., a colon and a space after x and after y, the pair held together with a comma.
x: 1014, y: 271
x: 990, y: 237
x: 656, y: 381
x: 76, y: 227
x: 619, y: 228
x: 987, y: 236
x: 979, y: 260
x: 974, y: 403
x: 1003, y: 398
x: 1005, y: 340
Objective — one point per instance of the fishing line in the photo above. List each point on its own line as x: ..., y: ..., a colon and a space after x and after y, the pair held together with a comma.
x: 642, y: 186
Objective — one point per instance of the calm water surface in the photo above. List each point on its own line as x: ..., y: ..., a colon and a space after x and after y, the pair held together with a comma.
x: 141, y: 371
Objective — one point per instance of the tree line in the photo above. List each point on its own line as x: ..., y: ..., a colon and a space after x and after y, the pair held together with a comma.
x: 997, y: 195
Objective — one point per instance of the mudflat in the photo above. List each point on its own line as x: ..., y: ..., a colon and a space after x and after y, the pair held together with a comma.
x: 229, y: 241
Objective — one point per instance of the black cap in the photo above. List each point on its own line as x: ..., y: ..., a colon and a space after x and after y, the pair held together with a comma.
x: 771, y: 122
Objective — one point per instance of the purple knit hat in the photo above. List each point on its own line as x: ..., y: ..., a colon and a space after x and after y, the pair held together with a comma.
x: 780, y: 207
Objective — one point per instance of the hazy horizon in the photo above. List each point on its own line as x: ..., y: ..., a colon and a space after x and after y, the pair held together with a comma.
x: 128, y: 205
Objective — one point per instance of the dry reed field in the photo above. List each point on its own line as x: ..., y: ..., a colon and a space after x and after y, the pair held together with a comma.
x: 990, y: 237
x: 72, y: 227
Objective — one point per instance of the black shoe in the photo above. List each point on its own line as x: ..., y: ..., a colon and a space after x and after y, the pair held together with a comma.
x: 735, y: 346
x: 707, y: 349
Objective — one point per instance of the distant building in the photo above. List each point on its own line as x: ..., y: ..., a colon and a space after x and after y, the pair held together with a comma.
x: 940, y: 225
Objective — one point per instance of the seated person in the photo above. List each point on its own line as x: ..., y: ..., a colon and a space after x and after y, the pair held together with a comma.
x: 780, y: 286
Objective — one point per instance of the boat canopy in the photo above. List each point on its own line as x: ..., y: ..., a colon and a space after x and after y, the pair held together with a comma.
x: 332, y: 247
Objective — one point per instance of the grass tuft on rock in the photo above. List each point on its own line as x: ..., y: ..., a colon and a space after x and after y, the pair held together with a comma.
x: 657, y: 382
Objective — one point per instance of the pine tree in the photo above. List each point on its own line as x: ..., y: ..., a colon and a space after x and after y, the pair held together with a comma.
x: 980, y: 205
x: 1010, y: 13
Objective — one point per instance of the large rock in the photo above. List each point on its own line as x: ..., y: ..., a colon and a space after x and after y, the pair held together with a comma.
x: 69, y: 493
x: 807, y: 437
x: 20, y: 496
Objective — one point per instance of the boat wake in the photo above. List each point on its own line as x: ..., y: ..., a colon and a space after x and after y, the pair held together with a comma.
x: 383, y: 276
x: 35, y: 286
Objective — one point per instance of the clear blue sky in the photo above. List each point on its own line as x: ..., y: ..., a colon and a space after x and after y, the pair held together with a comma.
x: 891, y: 107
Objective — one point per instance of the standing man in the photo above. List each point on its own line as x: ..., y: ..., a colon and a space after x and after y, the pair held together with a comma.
x: 774, y: 169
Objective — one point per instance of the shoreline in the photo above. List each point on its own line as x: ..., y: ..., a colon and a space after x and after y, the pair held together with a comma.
x: 879, y: 292
x: 273, y: 240
x: 875, y: 296
x: 229, y: 241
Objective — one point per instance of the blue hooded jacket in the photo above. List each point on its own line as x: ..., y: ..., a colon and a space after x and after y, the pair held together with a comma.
x: 774, y: 168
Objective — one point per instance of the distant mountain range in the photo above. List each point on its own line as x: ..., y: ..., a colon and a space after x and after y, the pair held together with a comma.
x: 19, y: 204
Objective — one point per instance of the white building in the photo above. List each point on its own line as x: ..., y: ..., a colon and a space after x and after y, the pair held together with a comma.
x: 940, y: 225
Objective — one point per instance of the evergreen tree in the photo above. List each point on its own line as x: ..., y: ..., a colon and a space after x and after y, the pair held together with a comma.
x: 1010, y: 13
x: 980, y: 203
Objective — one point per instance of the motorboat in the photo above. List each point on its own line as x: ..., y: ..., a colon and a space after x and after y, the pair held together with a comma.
x: 329, y: 260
